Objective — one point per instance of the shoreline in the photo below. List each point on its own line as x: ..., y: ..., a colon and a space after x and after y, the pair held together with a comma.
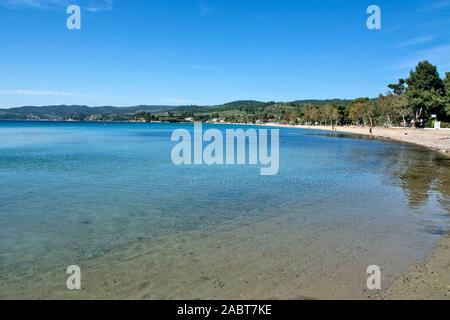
x: 430, y: 279
x: 437, y: 140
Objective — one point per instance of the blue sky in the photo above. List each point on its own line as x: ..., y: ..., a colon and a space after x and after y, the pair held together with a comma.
x: 175, y: 52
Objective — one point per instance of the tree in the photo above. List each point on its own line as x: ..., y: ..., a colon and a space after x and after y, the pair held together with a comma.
x: 311, y: 114
x: 402, y: 108
x: 329, y: 113
x: 360, y: 111
x: 334, y: 115
x: 386, y: 108
x: 371, y: 112
x: 425, y: 90
x: 392, y: 106
x: 343, y: 115
x: 447, y: 93
x: 398, y: 101
x: 425, y: 77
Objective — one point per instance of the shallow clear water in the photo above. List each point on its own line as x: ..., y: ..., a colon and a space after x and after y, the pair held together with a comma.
x: 75, y: 192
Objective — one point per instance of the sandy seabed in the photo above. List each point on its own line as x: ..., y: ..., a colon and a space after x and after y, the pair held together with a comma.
x: 431, y: 279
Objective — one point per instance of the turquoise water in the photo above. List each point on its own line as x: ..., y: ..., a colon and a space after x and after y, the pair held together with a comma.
x: 75, y: 192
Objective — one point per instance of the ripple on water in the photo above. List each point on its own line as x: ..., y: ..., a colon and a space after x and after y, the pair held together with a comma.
x: 71, y: 195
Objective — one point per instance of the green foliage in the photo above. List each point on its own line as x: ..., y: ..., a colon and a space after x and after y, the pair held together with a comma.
x: 361, y: 111
x: 425, y: 78
x: 447, y: 94
x: 425, y: 91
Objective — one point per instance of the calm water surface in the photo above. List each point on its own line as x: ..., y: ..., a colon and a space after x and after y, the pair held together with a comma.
x: 71, y: 193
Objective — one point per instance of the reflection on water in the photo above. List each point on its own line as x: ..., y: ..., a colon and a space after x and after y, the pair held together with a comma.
x: 342, y: 135
x: 427, y: 175
x: 420, y: 174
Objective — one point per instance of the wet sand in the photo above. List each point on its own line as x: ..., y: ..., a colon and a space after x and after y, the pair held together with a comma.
x: 427, y: 281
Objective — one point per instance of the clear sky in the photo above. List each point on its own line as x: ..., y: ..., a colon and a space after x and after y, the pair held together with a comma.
x: 131, y: 52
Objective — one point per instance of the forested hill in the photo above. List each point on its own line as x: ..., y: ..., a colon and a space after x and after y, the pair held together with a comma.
x: 79, y: 112
x: 76, y: 111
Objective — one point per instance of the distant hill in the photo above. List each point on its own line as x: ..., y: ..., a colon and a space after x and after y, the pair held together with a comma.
x: 64, y: 112
x: 78, y: 111
x: 322, y: 102
x: 242, y: 103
